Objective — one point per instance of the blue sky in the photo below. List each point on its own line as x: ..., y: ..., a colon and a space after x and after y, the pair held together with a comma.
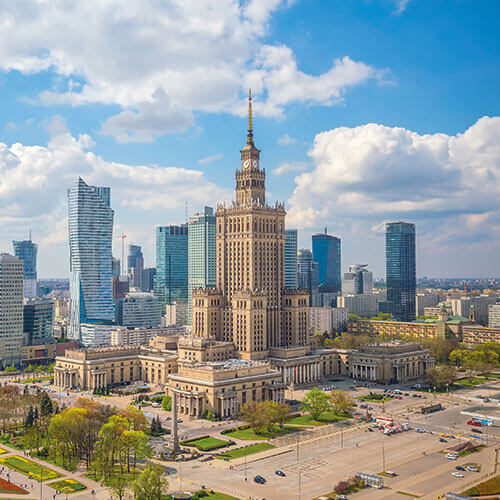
x: 366, y: 111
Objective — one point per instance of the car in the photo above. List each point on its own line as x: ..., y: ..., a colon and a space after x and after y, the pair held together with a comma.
x: 459, y: 467
x: 472, y: 468
x: 478, y: 431
x: 486, y: 400
x: 156, y: 405
x: 370, y: 429
x: 442, y: 440
x: 457, y: 474
x: 341, y: 497
x: 452, y: 456
x: 179, y: 420
x: 477, y: 423
x: 415, y: 395
x: 168, y: 418
x: 259, y: 479
x: 406, y: 394
x: 280, y: 473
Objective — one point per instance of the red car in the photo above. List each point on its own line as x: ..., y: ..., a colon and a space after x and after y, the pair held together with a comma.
x: 474, y: 422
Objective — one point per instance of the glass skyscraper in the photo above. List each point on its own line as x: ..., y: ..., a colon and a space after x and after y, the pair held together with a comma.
x: 26, y: 250
x: 202, y: 253
x: 401, y: 270
x: 291, y: 280
x: 135, y: 265
x: 171, y: 280
x: 90, y: 241
x: 326, y: 252
x: 307, y: 272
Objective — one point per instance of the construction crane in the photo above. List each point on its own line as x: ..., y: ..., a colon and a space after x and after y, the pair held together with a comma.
x: 123, y: 236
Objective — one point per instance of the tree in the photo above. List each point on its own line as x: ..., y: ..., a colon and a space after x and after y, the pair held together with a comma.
x: 156, y: 428
x: 252, y: 414
x: 278, y: 412
x: 151, y: 484
x: 46, y: 408
x: 166, y: 403
x: 135, y: 417
x: 341, y: 402
x: 458, y: 356
x: 30, y: 418
x: 440, y: 376
x: 119, y: 486
x: 316, y: 402
x: 10, y: 369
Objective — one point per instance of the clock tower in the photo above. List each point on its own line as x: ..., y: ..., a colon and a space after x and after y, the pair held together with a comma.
x: 250, y: 180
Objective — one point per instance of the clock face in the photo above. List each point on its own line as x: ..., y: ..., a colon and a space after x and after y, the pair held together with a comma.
x: 254, y: 163
x: 246, y: 163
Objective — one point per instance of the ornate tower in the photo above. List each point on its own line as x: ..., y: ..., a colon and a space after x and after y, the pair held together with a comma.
x: 250, y: 180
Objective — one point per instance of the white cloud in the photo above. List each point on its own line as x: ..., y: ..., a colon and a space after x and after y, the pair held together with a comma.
x: 286, y: 167
x: 160, y: 62
x: 401, y: 6
x: 285, y: 140
x: 210, y: 159
x: 450, y: 185
x: 34, y: 180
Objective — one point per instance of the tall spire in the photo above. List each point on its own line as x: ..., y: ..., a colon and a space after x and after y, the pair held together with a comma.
x: 250, y: 110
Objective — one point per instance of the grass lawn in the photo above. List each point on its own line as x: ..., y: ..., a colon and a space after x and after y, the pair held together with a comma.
x: 219, y: 496
x: 405, y: 493
x: 207, y: 443
x: 489, y: 487
x: 31, y: 380
x: 371, y: 399
x: 249, y: 434
x: 247, y: 450
x: 67, y: 486
x: 11, y: 489
x: 471, y: 382
x: 325, y: 418
x: 29, y: 468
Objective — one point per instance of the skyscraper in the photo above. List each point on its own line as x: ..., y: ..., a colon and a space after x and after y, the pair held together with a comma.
x: 90, y: 240
x: 307, y: 273
x: 291, y: 280
x: 39, y: 321
x: 171, y: 280
x: 250, y: 306
x: 26, y: 250
x: 202, y: 253
x: 135, y: 264
x: 401, y: 270
x: 11, y: 309
x: 326, y: 252
x: 357, y: 280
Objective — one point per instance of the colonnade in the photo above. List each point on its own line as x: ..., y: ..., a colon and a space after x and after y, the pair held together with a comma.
x: 364, y: 372
x: 301, y: 374
x: 65, y: 379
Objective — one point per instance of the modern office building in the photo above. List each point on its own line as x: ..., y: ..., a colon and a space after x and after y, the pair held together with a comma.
x: 135, y: 265
x: 11, y: 309
x: 26, y: 250
x: 90, y: 240
x: 171, y: 280
x: 475, y: 307
x: 307, y: 273
x: 357, y: 280
x: 366, y: 305
x: 328, y: 319
x: 139, y: 310
x: 291, y: 277
x: 401, y: 270
x: 326, y: 252
x: 427, y: 299
x: 202, y: 254
x: 148, y: 279
x: 95, y: 334
x: 38, y: 321
x: 494, y: 315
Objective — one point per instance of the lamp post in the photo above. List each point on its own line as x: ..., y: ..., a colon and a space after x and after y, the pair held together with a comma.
x: 298, y: 465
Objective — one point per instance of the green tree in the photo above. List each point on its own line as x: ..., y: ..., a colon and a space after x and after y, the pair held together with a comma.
x: 440, y: 376
x: 46, y: 408
x: 458, y: 356
x: 136, y: 419
x: 166, y: 403
x: 30, y: 418
x: 251, y: 413
x: 316, y: 402
x: 151, y: 484
x: 341, y: 402
x: 278, y: 412
x: 119, y: 486
x: 10, y: 369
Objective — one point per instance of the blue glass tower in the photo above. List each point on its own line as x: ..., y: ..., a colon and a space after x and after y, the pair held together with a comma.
x: 326, y: 252
x: 90, y: 240
x: 401, y: 270
x: 26, y: 250
x: 171, y: 280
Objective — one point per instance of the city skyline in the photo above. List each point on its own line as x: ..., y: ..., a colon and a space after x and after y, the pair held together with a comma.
x: 359, y: 125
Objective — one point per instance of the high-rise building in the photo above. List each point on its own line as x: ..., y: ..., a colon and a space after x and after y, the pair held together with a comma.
x: 202, y: 254
x: 138, y: 310
x: 423, y: 300
x: 250, y: 305
x: 326, y: 252
x: 38, y: 321
x: 291, y: 278
x: 357, y: 280
x: 307, y: 273
x: 135, y: 266
x: 473, y: 307
x: 494, y: 315
x: 171, y: 280
x: 148, y: 279
x: 11, y: 309
x: 401, y: 270
x: 26, y: 250
x: 90, y: 240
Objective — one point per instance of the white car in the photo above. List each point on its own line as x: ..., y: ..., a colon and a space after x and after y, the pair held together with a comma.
x: 472, y: 468
x: 452, y: 456
x: 457, y: 474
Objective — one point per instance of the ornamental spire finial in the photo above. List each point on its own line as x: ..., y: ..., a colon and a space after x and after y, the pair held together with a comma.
x: 249, y: 110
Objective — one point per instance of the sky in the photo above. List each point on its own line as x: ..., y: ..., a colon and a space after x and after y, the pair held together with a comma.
x: 366, y: 111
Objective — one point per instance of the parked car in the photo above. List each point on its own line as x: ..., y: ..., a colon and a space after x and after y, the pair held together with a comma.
x: 280, y: 473
x: 478, y: 431
x: 457, y: 474
x: 168, y: 418
x: 156, y: 405
x: 452, y: 456
x: 442, y: 440
x: 259, y: 479
x: 459, y: 467
x: 472, y: 468
x: 341, y: 497
x: 477, y: 423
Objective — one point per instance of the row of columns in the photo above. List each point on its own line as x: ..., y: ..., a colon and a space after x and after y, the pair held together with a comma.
x: 189, y: 405
x: 228, y: 406
x: 301, y: 374
x: 364, y: 372
x: 98, y: 380
x: 64, y: 379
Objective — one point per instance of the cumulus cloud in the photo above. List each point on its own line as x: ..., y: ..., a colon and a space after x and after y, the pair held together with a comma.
x: 160, y: 62
x: 34, y: 180
x: 210, y: 159
x: 450, y: 185
x: 286, y: 167
x: 286, y: 140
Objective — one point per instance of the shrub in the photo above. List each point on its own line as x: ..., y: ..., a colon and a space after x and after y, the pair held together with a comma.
x: 341, y: 487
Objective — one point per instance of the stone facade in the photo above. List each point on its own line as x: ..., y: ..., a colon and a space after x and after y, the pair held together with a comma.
x: 410, y: 329
x: 473, y: 334
x: 390, y: 362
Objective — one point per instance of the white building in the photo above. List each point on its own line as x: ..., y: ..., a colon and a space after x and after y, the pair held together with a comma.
x: 424, y: 300
x: 328, y: 319
x: 494, y: 316
x: 361, y: 305
x: 474, y: 307
x: 11, y: 309
x: 140, y: 336
x: 357, y: 280
x: 95, y: 335
x: 139, y: 310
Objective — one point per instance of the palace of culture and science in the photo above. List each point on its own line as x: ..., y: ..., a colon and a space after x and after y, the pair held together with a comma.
x: 250, y: 335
